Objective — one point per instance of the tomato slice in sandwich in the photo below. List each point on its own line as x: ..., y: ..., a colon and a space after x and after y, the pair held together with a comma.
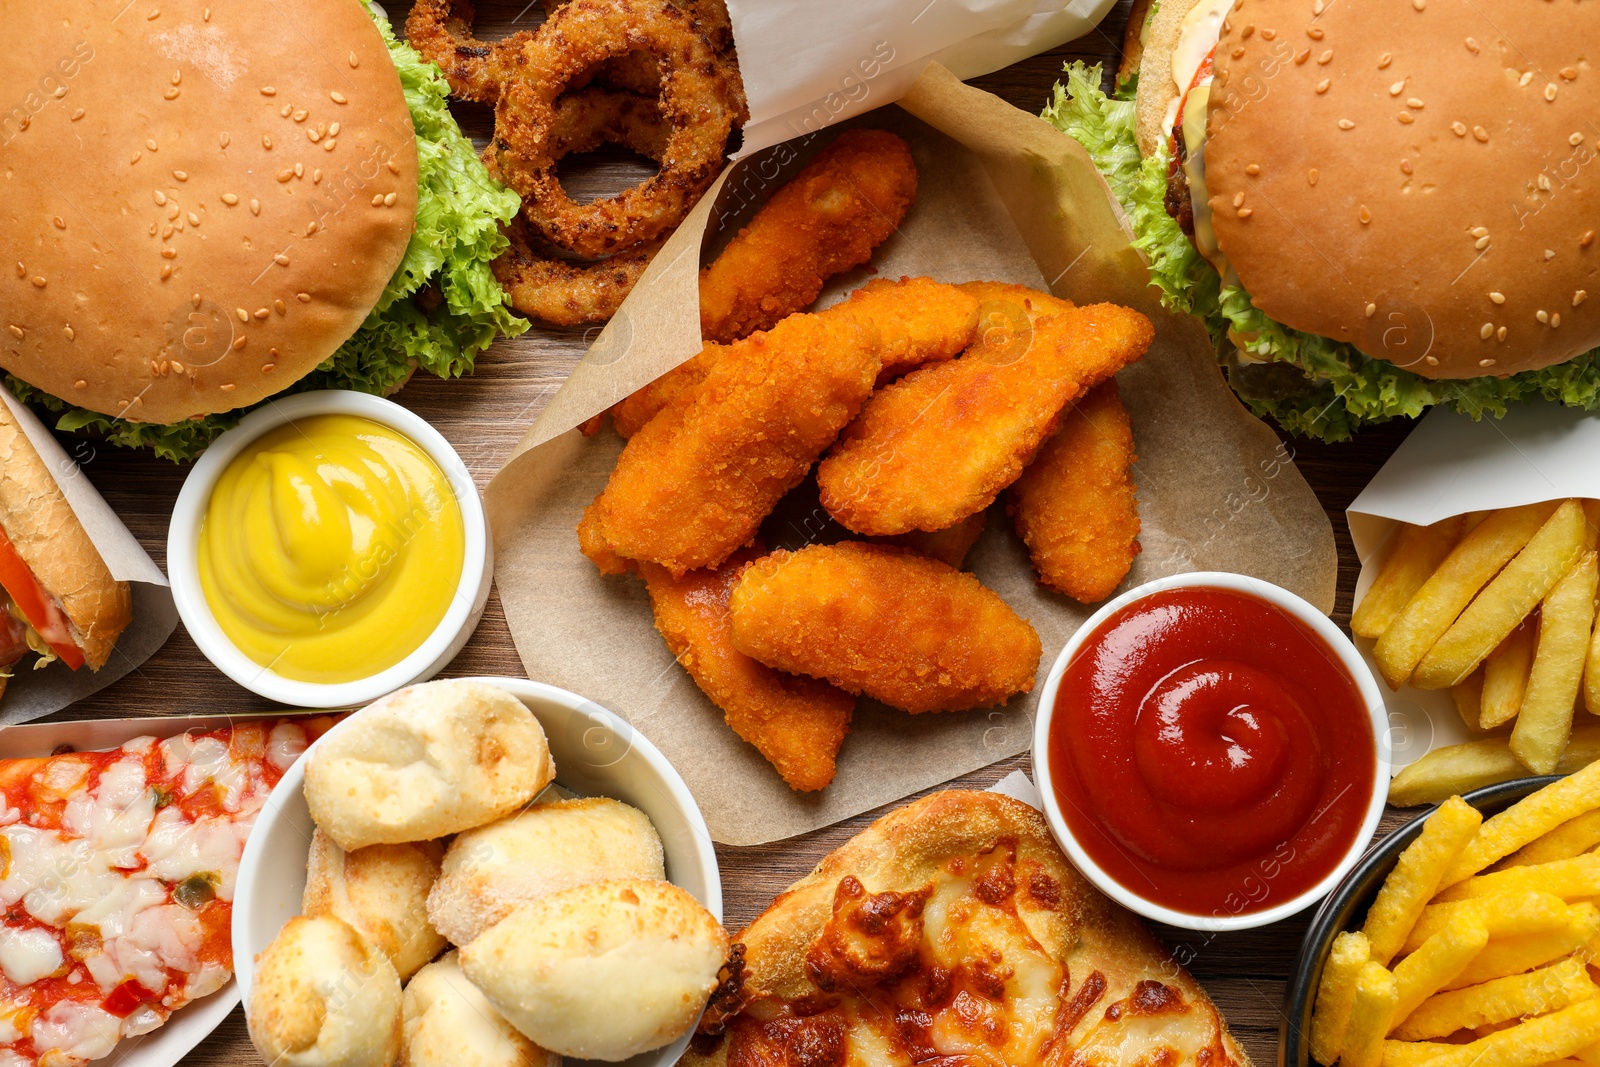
x: 36, y: 605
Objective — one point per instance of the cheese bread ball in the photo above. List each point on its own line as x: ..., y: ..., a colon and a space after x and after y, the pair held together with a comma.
x: 382, y: 892
x: 449, y: 1023
x: 601, y: 971
x: 489, y: 872
x: 426, y: 761
x: 324, y: 997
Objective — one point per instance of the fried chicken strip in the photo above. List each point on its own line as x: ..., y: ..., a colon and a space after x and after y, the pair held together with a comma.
x: 693, y: 485
x: 826, y: 220
x: 941, y: 443
x: 796, y: 723
x: 902, y: 628
x: 1074, y: 506
x: 949, y: 545
x: 920, y: 321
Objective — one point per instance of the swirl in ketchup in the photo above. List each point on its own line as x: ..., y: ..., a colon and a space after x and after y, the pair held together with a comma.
x: 1210, y: 751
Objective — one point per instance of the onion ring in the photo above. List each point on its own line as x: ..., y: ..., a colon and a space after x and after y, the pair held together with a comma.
x: 564, y: 293
x: 441, y: 32
x: 696, y: 101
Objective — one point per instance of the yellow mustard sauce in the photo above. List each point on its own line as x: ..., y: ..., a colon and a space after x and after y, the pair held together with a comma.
x: 330, y: 549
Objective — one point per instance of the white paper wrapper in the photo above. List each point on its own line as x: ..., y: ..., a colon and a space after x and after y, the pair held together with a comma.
x: 1451, y: 465
x: 807, y: 64
x: 34, y: 693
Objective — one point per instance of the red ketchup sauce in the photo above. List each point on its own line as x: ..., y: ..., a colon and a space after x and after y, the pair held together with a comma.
x: 1210, y: 752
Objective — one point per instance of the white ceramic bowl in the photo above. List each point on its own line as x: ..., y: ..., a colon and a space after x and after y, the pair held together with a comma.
x: 460, y: 619
x: 596, y: 754
x: 1351, y: 659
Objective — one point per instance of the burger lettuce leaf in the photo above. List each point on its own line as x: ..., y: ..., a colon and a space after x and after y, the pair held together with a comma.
x: 1311, y: 385
x: 459, y: 213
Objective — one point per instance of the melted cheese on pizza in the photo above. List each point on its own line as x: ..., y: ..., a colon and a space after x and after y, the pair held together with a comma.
x: 951, y: 975
x: 116, y: 883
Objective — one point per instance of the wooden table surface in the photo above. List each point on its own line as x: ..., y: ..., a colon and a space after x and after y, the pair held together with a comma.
x: 484, y: 416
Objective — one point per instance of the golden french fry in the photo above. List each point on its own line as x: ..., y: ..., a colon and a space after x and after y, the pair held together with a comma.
x: 1589, y: 1054
x: 1507, y: 914
x: 1572, y: 838
x: 1413, y: 1053
x: 1513, y: 955
x: 1591, y: 675
x: 1474, y: 561
x: 1416, y: 875
x: 1533, y: 816
x: 1468, y: 699
x: 1415, y: 554
x: 1455, y: 769
x: 1572, y: 879
x: 1505, y: 601
x: 1591, y: 516
x: 1436, y: 964
x: 1505, y: 674
x: 1528, y: 1044
x: 1336, y: 992
x: 1370, y: 1015
x: 1566, y: 620
x: 1534, y: 993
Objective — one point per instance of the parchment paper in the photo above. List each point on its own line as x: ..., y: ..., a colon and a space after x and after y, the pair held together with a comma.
x: 1451, y: 465
x: 34, y: 693
x: 1003, y: 196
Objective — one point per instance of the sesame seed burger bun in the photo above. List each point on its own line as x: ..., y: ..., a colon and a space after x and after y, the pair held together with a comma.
x: 1426, y: 187
x: 200, y: 203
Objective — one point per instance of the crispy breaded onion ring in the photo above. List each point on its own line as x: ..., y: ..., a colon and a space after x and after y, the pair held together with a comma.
x: 696, y: 102
x: 441, y: 32
x: 562, y: 292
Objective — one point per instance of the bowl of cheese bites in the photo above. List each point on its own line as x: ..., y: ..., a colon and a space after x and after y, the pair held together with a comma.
x: 478, y: 873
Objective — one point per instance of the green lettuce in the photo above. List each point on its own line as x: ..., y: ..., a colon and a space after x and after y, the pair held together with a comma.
x: 460, y: 210
x: 1311, y: 385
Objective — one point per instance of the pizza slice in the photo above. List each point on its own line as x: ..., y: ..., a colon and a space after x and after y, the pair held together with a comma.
x: 954, y: 931
x: 116, y: 882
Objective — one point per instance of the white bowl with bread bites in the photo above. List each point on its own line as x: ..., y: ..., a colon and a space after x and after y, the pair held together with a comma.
x: 503, y: 879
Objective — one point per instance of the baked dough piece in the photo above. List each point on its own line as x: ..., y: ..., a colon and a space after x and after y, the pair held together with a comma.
x: 324, y: 997
x: 449, y: 1023
x: 382, y: 892
x: 601, y: 971
x: 960, y: 911
x: 489, y: 872
x: 427, y: 761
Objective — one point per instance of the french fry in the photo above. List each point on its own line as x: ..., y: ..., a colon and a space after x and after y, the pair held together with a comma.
x: 1468, y: 699
x: 1505, y: 675
x: 1528, y: 1044
x: 1572, y: 879
x: 1572, y: 838
x: 1535, y: 993
x: 1413, y: 1053
x: 1505, y: 601
x: 1513, y: 955
x: 1591, y: 675
x: 1507, y: 914
x: 1474, y: 561
x: 1336, y: 992
x: 1533, y: 816
x: 1566, y: 620
x: 1416, y: 554
x: 1416, y: 875
x: 1439, y: 961
x: 1370, y: 1014
x: 1455, y: 769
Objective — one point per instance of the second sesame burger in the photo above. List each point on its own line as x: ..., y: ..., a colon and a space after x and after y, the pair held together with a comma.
x: 207, y: 204
x: 1373, y: 209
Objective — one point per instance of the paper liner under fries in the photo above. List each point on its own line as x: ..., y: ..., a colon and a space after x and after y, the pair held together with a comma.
x: 1448, y: 466
x: 1003, y: 197
x: 34, y: 693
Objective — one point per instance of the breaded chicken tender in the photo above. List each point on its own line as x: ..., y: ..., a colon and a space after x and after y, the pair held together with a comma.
x: 1074, y: 506
x: 941, y: 443
x: 797, y: 723
x: 949, y: 545
x: 920, y: 321
x: 693, y: 485
x: 901, y: 628
x: 828, y: 219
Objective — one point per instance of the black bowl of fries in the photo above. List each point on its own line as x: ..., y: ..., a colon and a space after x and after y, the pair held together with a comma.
x: 1399, y: 972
